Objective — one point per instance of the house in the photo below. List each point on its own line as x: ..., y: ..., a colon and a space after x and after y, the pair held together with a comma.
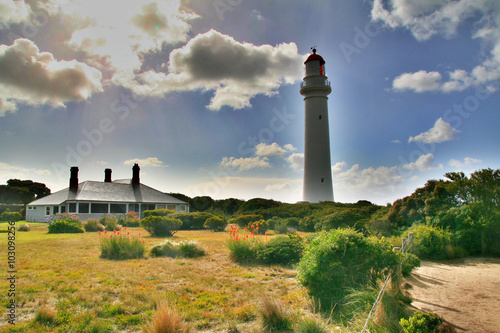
x: 93, y: 199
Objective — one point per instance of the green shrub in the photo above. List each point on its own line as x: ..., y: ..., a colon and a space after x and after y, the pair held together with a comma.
x: 243, y: 220
x: 432, y: 243
x: 110, y: 223
x: 281, y: 250
x: 45, y: 315
x: 340, y: 260
x: 11, y: 216
x: 192, y: 221
x: 308, y: 224
x: 24, y: 227
x: 187, y: 249
x: 244, y: 250
x: 409, y: 261
x: 157, y: 212
x: 93, y: 225
x: 421, y: 322
x: 65, y: 227
x: 130, y: 220
x: 161, y: 226
x: 216, y: 223
x: 120, y: 247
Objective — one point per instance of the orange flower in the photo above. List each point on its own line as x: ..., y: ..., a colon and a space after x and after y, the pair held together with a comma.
x: 128, y: 232
x: 253, y: 226
x: 105, y: 231
x: 245, y: 228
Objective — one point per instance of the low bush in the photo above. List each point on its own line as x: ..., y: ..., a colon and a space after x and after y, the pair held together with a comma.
x: 161, y: 226
x: 421, y: 322
x: 243, y: 220
x: 259, y: 227
x: 110, y: 223
x: 65, y: 227
x: 24, y: 227
x: 120, y: 247
x: 45, y: 315
x: 192, y: 221
x: 129, y: 220
x: 11, y: 216
x: 281, y: 250
x: 92, y: 225
x: 157, y: 212
x: 308, y: 224
x: 186, y: 249
x: 311, y: 325
x: 340, y: 260
x: 432, y: 243
x: 409, y: 262
x: 216, y: 223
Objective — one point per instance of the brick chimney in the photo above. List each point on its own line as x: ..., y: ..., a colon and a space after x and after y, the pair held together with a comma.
x: 73, y: 180
x: 135, y: 175
x: 107, y: 175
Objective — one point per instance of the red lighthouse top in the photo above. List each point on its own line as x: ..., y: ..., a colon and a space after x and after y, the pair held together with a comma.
x: 315, y: 56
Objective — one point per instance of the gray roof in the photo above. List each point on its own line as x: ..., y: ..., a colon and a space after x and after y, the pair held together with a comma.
x: 118, y: 191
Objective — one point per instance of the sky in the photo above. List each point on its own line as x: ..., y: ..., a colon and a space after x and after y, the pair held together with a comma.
x: 204, y: 94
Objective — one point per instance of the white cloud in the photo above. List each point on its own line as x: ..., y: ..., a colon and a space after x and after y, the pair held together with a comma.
x: 263, y: 149
x: 245, y: 163
x: 440, y: 132
x: 277, y: 187
x: 467, y: 161
x: 289, y: 147
x: 30, y: 76
x: 419, y: 82
x: 370, y: 184
x: 235, y: 71
x: 102, y: 162
x: 427, y: 18
x: 6, y: 106
x: 296, y: 161
x: 13, y: 12
x: 147, y: 162
x: 119, y: 39
x: 9, y: 171
x: 423, y: 163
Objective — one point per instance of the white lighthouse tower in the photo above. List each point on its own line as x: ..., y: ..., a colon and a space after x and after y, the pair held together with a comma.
x: 317, y: 164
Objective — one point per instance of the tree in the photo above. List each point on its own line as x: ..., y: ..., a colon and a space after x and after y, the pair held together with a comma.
x: 22, y: 191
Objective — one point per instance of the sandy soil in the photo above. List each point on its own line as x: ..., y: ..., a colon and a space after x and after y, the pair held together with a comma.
x: 465, y: 293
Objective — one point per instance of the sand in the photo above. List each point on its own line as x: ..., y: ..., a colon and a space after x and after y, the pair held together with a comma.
x: 465, y: 293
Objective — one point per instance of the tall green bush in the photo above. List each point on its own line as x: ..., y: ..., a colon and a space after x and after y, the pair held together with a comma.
x: 161, y: 226
x: 65, y: 227
x: 121, y: 247
x: 157, y: 212
x: 340, y: 260
x: 109, y: 222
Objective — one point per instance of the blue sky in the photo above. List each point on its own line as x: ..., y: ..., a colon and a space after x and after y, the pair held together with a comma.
x: 204, y: 95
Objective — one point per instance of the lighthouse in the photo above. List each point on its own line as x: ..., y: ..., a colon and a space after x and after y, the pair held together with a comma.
x: 317, y: 163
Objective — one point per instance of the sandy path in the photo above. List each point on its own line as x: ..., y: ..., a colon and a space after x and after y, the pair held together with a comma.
x: 465, y: 293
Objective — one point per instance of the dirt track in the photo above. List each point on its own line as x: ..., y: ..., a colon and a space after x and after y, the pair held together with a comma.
x: 465, y: 293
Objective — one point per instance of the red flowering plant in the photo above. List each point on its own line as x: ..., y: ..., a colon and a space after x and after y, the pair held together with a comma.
x: 120, y: 245
x: 244, y: 246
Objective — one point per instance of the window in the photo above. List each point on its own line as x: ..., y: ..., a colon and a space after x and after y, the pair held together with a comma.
x: 117, y: 208
x: 63, y: 209
x: 133, y: 208
x: 99, y: 208
x: 83, y: 208
x: 322, y: 180
x: 319, y: 117
x: 161, y: 206
x: 47, y: 210
x: 72, y: 207
x: 183, y: 208
x: 55, y: 209
x: 171, y: 207
x: 30, y: 207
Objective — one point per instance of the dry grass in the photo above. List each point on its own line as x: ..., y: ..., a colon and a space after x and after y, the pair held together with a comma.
x: 212, y: 293
x: 166, y: 320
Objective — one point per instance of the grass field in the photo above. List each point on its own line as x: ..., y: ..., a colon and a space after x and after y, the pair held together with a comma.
x: 82, y: 292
